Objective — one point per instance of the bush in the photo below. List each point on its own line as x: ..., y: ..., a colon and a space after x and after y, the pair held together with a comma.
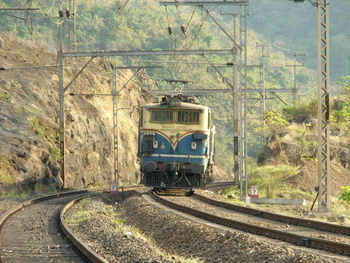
x: 345, y: 195
x: 300, y: 113
x: 272, y: 178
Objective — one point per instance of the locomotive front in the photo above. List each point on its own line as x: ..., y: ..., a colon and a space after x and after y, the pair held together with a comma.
x: 176, y: 143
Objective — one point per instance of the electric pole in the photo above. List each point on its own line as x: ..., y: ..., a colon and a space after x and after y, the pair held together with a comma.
x: 323, y: 129
x: 324, y: 174
x: 263, y: 87
x: 295, y: 88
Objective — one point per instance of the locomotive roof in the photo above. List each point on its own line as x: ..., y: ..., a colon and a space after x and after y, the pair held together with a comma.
x: 182, y: 106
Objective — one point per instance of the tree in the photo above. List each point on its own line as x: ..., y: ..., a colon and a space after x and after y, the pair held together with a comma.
x: 275, y: 123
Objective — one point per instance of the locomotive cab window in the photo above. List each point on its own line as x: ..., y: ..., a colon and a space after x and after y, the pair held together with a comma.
x: 163, y: 116
x: 185, y: 116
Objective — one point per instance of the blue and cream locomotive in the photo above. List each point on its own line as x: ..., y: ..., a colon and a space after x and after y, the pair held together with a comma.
x: 176, y: 143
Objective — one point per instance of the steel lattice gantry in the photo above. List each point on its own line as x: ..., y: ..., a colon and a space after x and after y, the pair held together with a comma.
x: 92, y: 54
x: 323, y: 105
x: 239, y: 73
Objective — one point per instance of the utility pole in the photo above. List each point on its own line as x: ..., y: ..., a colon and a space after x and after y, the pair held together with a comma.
x: 237, y: 109
x: 263, y: 87
x: 75, y: 7
x: 295, y: 88
x: 115, y: 129
x: 244, y: 94
x: 61, y: 102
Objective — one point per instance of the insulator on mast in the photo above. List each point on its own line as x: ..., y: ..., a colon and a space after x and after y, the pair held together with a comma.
x: 183, y: 29
x: 170, y: 30
x: 61, y: 13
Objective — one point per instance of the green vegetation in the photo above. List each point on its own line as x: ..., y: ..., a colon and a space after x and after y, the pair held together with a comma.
x: 300, y: 113
x: 275, y: 123
x: 296, y: 32
x: 79, y: 217
x: 6, y: 179
x: 13, y: 195
x: 345, y: 195
x: 234, y: 190
x: 272, y: 182
x: 272, y: 179
x: 340, y: 117
x: 144, y: 25
x: 55, y: 153
x: 39, y: 129
x: 38, y: 189
x: 5, y: 96
x: 47, y: 135
x: 80, y: 214
x: 6, y: 171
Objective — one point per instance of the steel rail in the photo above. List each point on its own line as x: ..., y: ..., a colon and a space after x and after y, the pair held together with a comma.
x: 16, y: 208
x: 81, y: 245
x: 315, y: 243
x: 324, y: 226
x: 59, y: 254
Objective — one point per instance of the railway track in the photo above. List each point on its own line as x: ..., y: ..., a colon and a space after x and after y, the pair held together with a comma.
x: 284, y: 228
x: 30, y: 232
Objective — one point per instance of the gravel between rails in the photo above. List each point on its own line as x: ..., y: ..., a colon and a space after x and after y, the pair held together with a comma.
x: 222, y: 212
x: 102, y: 226
x: 159, y: 236
x: 33, y: 235
x: 6, y: 205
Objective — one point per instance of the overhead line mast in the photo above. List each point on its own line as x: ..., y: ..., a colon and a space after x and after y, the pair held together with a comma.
x: 323, y: 122
x: 324, y: 173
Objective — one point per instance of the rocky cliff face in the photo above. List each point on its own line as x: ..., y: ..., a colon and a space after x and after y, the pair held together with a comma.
x: 29, y: 107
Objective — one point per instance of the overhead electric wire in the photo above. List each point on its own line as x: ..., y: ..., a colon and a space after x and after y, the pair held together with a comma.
x: 288, y: 50
x: 48, y: 14
x: 18, y: 17
x: 30, y: 28
x: 53, y: 4
x: 199, y: 28
x: 30, y: 67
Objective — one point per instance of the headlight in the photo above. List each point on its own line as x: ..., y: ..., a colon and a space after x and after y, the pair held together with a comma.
x: 197, y: 168
x: 150, y: 166
x: 175, y: 102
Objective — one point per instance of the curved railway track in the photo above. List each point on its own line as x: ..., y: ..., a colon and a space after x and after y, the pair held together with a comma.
x: 271, y: 230
x: 30, y: 232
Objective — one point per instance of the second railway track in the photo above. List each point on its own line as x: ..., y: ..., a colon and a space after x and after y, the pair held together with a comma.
x: 283, y: 229
x: 32, y: 234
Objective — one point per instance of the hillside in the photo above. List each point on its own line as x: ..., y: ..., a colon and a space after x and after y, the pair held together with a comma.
x: 291, y: 28
x: 145, y: 25
x: 29, y: 152
x: 29, y: 97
